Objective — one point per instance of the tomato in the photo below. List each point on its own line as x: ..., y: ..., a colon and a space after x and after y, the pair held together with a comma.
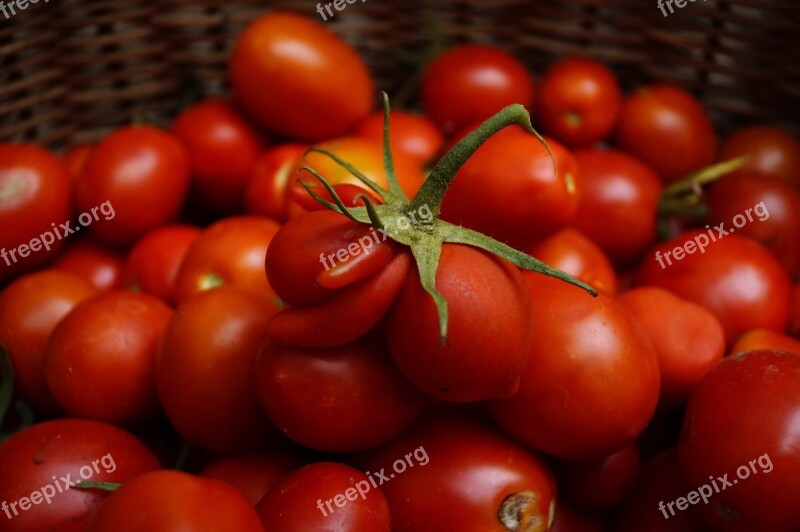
x: 450, y: 473
x: 624, y: 194
x: 230, y: 251
x: 164, y: 501
x: 223, y: 149
x: 205, y: 370
x: 668, y: 129
x: 579, y: 101
x: 142, y: 174
x: 471, y: 82
x: 75, y: 159
x: 344, y: 497
x: 34, y: 198
x: 152, y: 264
x: 602, y: 483
x: 742, y: 283
x: 414, y: 136
x: 265, y: 192
x: 340, y: 399
x: 773, y: 152
x: 598, y: 399
x: 488, y: 332
x: 687, y: 337
x: 98, y: 264
x: 763, y: 208
x: 30, y: 308
x: 765, y: 339
x: 795, y: 325
x: 741, y: 436
x: 299, y: 79
x: 100, y: 358
x: 38, y: 465
x: 572, y: 252
x: 510, y: 190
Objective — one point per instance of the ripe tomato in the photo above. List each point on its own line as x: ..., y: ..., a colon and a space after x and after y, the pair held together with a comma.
x: 579, y: 101
x: 343, y: 495
x: 598, y: 399
x: 471, y: 82
x: 30, y: 308
x: 265, y: 192
x: 623, y: 193
x: 161, y: 501
x: 34, y: 195
x: 603, y: 483
x: 299, y: 79
x: 143, y: 174
x: 414, y: 136
x: 223, y: 148
x: 100, y: 358
x: 773, y: 152
x: 765, y: 339
x: 668, y: 129
x: 39, y: 464
x: 741, y: 428
x: 205, y: 370
x: 98, y: 264
x: 75, y: 159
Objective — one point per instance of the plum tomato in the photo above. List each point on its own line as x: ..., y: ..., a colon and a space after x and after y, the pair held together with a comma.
x: 414, y: 136
x: 100, y: 265
x: 265, y: 192
x: 773, y: 152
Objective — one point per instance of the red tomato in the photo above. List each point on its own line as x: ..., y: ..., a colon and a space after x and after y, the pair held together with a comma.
x: 344, y: 497
x: 100, y: 265
x: 742, y: 283
x: 298, y: 78
x: 773, y: 152
x: 668, y: 129
x: 206, y: 370
x: 30, y: 308
x: 152, y: 264
x: 142, y: 174
x: 34, y: 198
x: 265, y: 192
x: 687, y: 337
x: 579, y: 101
x: 740, y: 440
x: 765, y: 339
x: 510, y: 190
x: 223, y: 149
x: 75, y: 159
x: 598, y: 399
x: 253, y: 474
x: 623, y: 193
x: 165, y: 501
x: 40, y: 463
x: 471, y: 82
x: 410, y: 135
x: 603, y: 483
x: 795, y: 325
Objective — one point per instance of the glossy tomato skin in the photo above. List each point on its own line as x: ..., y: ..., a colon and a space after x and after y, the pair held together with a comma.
x: 205, y: 370
x: 470, y: 83
x: 742, y: 421
x: 143, y: 174
x: 265, y: 192
x: 100, y: 265
x: 341, y: 399
x: 34, y: 193
x: 325, y: 497
x: 668, y: 129
x: 32, y: 457
x: 509, y: 189
x: 598, y: 399
x: 299, y: 79
x: 223, y: 148
x: 603, y: 483
x: 742, y: 283
x: 100, y: 359
x: 452, y: 473
x: 579, y: 101
x: 773, y: 152
x: 414, y: 136
x: 488, y: 330
x: 161, y: 501
x: 30, y: 308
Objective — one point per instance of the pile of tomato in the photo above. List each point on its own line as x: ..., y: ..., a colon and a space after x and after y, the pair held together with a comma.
x: 270, y: 316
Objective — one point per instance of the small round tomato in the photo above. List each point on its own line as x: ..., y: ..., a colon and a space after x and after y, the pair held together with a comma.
x: 602, y: 483
x: 265, y: 192
x: 579, y: 101
x: 100, y: 265
x: 30, y: 308
x: 741, y: 436
x: 668, y: 129
x: 142, y: 173
x: 100, y: 358
x: 223, y: 149
x: 471, y: 82
x: 298, y: 78
x: 161, y: 501
x: 773, y: 152
x: 75, y: 159
x: 413, y: 136
x: 765, y: 339
x: 346, y: 501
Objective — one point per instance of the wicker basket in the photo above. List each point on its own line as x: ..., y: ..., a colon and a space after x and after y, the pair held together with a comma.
x: 70, y: 70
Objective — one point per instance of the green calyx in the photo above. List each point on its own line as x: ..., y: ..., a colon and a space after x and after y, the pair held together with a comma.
x: 415, y: 223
